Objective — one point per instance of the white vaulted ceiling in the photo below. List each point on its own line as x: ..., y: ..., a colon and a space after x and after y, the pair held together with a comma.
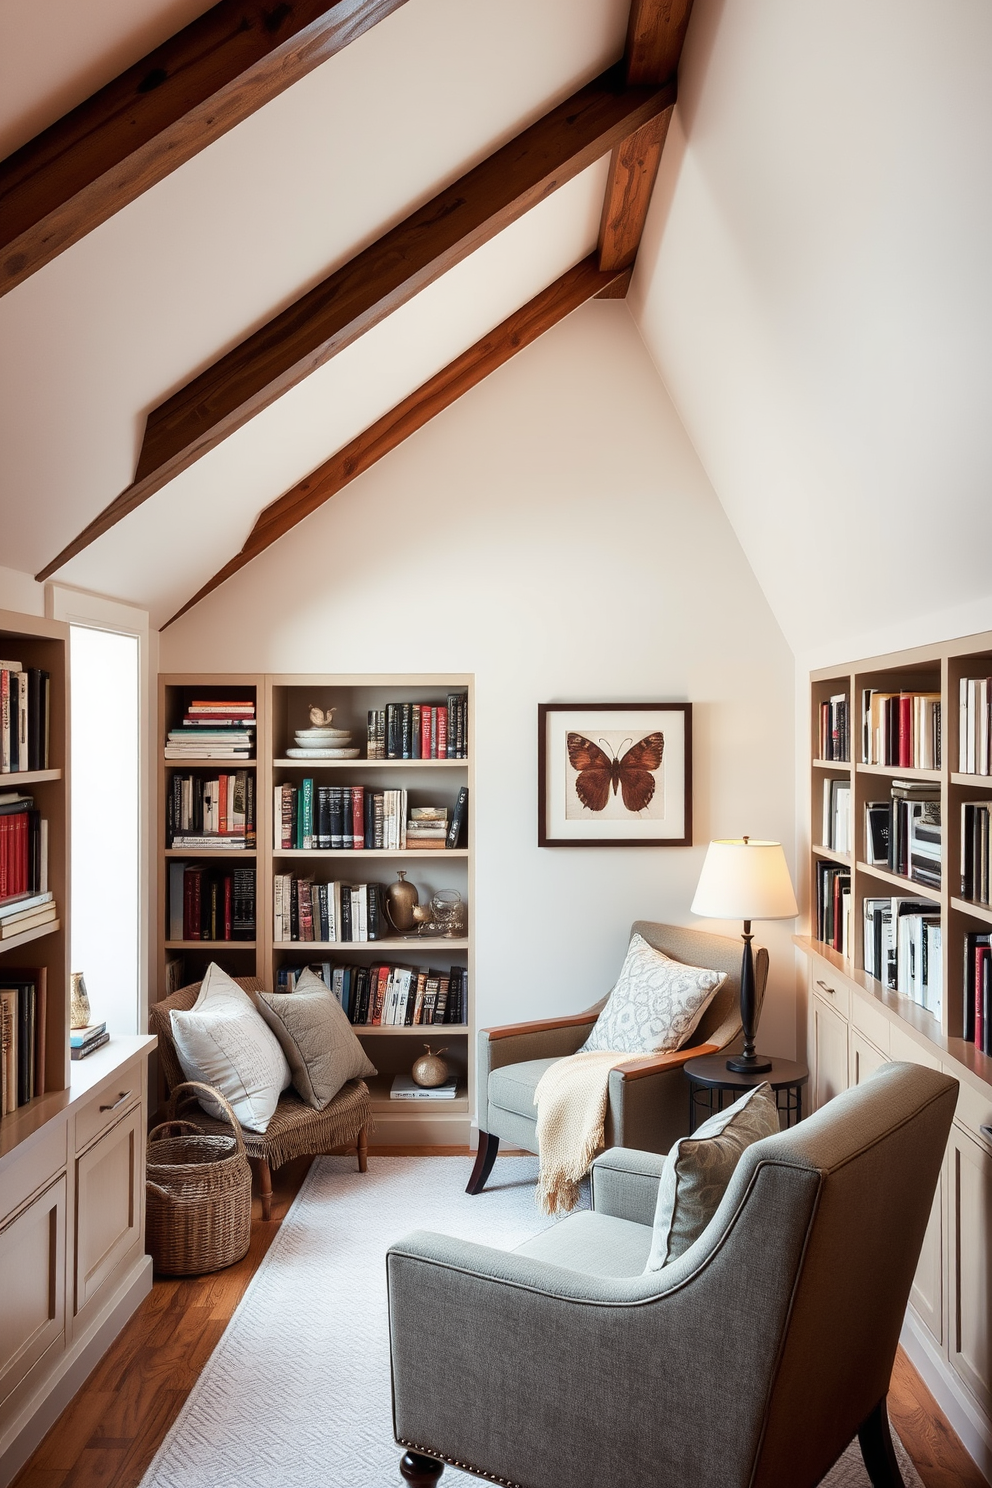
x: 813, y: 284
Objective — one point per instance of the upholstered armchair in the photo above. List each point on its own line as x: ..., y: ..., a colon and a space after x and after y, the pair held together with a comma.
x: 648, y: 1103
x: 749, y: 1361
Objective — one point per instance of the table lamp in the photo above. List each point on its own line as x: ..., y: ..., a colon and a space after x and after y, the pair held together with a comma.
x: 743, y: 879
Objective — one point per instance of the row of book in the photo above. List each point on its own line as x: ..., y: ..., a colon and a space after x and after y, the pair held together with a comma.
x: 214, y: 728
x: 902, y: 948
x: 837, y: 833
x: 23, y: 1018
x: 350, y: 817
x: 833, y: 906
x: 26, y: 902
x: 210, y: 902
x: 901, y: 729
x: 975, y: 851
x: 25, y: 708
x: 326, y: 912
x: 975, y: 726
x: 977, y: 1008
x: 214, y: 813
x: 905, y: 833
x: 388, y: 995
x: 414, y: 731
x: 835, y: 729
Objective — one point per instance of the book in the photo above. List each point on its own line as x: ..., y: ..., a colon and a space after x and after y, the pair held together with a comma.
x: 80, y: 1037
x: 90, y: 1048
x: 405, y: 1088
x: 459, y: 819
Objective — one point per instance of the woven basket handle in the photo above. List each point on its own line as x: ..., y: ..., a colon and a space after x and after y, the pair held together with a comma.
x: 187, y: 1092
x: 174, y: 1129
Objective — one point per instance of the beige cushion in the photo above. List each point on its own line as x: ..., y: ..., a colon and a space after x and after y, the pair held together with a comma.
x: 655, y: 1004
x: 316, y: 1038
x: 224, y: 1042
x: 698, y: 1169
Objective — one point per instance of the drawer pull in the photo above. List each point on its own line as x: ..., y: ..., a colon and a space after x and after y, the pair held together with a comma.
x: 118, y: 1102
x: 986, y: 1132
x: 829, y: 990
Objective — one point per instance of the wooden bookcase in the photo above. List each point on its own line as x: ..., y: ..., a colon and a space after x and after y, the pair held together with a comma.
x: 282, y: 706
x: 856, y: 1023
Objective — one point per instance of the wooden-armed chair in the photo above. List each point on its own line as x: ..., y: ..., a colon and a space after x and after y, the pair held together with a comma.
x: 750, y: 1360
x: 648, y: 1104
x: 296, y: 1129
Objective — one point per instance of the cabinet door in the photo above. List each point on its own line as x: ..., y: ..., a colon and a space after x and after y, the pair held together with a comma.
x: 108, y: 1209
x: 32, y: 1284
x: 865, y: 1058
x: 927, y: 1295
x: 969, y: 1209
x: 829, y: 1052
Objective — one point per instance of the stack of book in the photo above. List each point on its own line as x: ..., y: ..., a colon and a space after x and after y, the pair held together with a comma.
x: 213, y: 728
x: 210, y: 902
x: 837, y: 815
x: 902, y: 946
x: 24, y: 717
x: 23, y: 1020
x: 25, y: 899
x: 217, y: 813
x: 915, y: 834
x: 978, y: 990
x: 83, y: 1041
x: 325, y: 912
x: 405, y: 1088
x: 420, y: 730
x: 427, y: 829
x: 975, y: 850
x: 975, y: 726
x: 901, y: 729
x: 835, y: 729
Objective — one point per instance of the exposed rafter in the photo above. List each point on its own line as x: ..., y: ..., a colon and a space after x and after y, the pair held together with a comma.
x: 158, y: 114
x: 655, y: 34
x: 545, y: 310
x: 377, y: 281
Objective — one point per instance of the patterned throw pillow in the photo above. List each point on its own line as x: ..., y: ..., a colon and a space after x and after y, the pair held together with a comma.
x: 655, y: 1004
x: 698, y: 1169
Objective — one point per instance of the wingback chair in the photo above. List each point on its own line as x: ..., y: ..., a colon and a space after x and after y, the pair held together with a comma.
x: 648, y: 1102
x: 750, y: 1361
x: 296, y: 1129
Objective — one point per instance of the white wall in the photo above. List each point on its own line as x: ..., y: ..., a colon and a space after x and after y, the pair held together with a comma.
x: 553, y: 533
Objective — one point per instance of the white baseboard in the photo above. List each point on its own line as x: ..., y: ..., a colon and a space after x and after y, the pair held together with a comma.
x: 950, y: 1394
x: 61, y: 1383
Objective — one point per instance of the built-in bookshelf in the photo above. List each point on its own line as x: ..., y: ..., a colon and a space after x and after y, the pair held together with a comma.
x: 330, y: 835
x: 34, y: 832
x: 904, y: 823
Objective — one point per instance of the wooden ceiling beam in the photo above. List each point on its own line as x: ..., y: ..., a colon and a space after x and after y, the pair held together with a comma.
x: 655, y: 33
x: 377, y: 281
x: 466, y: 371
x: 158, y: 114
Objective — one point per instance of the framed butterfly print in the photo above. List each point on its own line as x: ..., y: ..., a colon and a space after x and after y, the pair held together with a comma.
x: 614, y: 774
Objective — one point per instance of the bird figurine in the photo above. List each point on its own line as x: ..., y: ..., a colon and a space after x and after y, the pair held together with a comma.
x: 319, y: 718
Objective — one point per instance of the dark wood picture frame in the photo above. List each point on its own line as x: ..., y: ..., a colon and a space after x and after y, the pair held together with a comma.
x: 623, y: 828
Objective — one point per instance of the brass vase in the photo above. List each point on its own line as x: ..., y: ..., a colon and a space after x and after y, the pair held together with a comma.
x: 399, y: 902
x: 430, y: 1069
x: 79, y: 1005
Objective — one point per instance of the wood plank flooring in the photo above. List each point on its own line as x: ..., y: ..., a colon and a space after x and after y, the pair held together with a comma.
x: 107, y: 1436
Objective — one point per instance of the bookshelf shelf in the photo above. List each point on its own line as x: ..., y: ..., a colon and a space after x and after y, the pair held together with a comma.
x: 900, y: 772
x: 970, y: 907
x: 393, y: 943
x: 972, y: 782
x: 11, y: 778
x: 911, y: 887
x: 370, y: 852
x: 52, y: 927
x: 239, y: 762
x: 306, y: 765
x: 832, y: 854
x: 211, y: 945
x: 839, y: 767
x: 425, y: 1032
x: 210, y: 852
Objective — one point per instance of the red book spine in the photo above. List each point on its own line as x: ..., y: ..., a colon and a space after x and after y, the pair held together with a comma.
x: 358, y: 816
x: 905, y: 731
x: 425, y: 732
x: 4, y: 857
x: 442, y: 731
x: 21, y: 846
x: 191, y: 906
x: 228, y: 908
x: 222, y: 803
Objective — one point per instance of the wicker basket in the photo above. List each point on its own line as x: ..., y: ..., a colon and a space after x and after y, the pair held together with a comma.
x: 198, y: 1211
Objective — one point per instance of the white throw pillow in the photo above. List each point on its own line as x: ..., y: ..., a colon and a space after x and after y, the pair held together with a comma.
x: 225, y: 1042
x: 655, y: 1004
x: 698, y: 1169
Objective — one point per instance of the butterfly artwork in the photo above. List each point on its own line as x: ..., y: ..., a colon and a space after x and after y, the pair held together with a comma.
x: 626, y: 769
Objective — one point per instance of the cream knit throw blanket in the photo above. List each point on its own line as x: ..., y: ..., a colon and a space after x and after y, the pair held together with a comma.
x: 571, y: 1113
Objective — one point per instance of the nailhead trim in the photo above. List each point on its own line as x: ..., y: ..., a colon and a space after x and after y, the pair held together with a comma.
x: 454, y: 1462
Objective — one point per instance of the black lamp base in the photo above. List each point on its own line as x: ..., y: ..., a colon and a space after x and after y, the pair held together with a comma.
x: 755, y: 1064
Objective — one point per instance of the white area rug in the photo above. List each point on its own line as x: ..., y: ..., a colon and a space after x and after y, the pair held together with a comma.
x: 296, y: 1394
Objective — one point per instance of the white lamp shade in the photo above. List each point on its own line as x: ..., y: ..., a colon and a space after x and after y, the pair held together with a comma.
x: 743, y: 879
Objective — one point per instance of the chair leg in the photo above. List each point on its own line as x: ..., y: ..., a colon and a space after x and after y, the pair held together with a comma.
x: 877, y: 1449
x: 264, y: 1172
x: 419, y: 1471
x: 484, y: 1159
x: 363, y: 1150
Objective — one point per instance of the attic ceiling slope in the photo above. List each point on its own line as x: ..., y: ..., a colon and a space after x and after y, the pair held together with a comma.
x: 159, y: 113
x: 434, y: 238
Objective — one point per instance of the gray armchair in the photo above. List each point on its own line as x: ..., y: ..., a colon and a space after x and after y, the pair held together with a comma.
x: 648, y: 1104
x: 749, y: 1362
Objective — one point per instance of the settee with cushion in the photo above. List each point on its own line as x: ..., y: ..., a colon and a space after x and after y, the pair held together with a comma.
x: 749, y: 1360
x: 296, y: 1128
x: 647, y: 1102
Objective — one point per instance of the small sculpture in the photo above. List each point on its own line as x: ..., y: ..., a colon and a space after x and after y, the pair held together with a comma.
x: 79, y: 1006
x: 319, y: 718
x: 430, y: 1069
x: 400, y: 905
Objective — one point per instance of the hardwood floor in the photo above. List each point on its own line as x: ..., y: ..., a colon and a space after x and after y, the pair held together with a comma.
x: 107, y: 1437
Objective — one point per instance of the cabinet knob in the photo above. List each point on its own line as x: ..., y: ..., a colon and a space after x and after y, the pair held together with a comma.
x: 829, y: 990
x: 118, y: 1102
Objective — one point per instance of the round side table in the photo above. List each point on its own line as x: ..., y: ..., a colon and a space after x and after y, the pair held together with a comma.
x: 710, y: 1083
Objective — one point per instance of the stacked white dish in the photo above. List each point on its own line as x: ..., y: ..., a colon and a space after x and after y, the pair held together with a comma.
x: 323, y: 743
